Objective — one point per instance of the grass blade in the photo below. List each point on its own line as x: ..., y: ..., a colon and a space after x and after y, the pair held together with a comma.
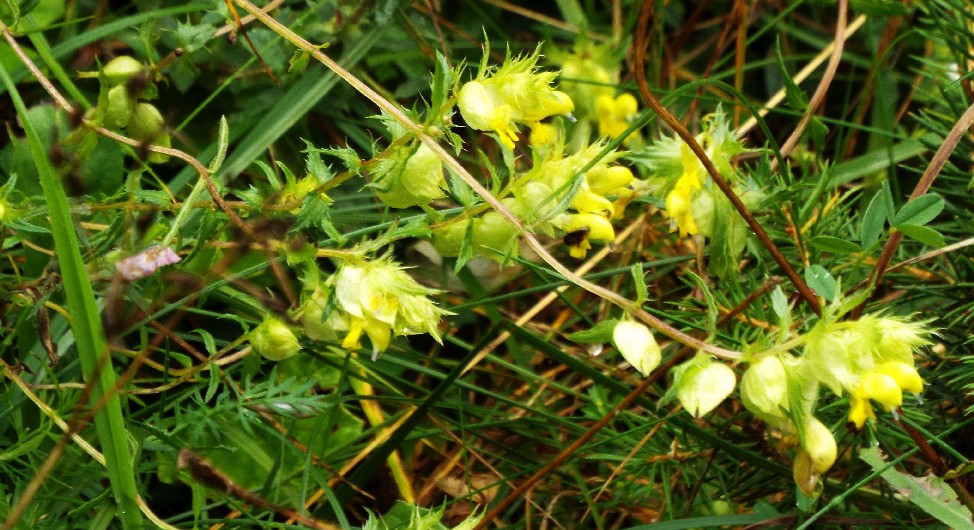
x: 86, y: 324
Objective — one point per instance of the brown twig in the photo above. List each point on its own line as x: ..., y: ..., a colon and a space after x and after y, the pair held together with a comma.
x: 823, y: 86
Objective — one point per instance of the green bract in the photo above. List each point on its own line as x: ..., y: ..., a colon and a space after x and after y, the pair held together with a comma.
x: 274, y: 340
x: 764, y: 389
x: 417, y: 182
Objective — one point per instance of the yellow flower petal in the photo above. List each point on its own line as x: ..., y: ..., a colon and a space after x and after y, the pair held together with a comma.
x: 906, y: 376
x: 860, y: 410
x: 881, y: 388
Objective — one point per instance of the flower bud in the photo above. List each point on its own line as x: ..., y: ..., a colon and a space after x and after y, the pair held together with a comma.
x: 636, y: 343
x: 819, y: 444
x: 120, y: 107
x: 274, y: 340
x: 147, y: 125
x: 704, y: 386
x: 121, y: 69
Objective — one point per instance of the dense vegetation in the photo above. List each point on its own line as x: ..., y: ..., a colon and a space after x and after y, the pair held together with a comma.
x: 382, y: 264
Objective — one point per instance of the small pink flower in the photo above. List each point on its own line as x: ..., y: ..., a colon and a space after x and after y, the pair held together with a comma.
x: 146, y: 262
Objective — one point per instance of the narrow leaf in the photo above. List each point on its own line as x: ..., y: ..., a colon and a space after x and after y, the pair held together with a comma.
x: 920, y: 211
x: 834, y: 245
x: 873, y: 221
x: 223, y: 143
x: 599, y: 333
x: 93, y: 353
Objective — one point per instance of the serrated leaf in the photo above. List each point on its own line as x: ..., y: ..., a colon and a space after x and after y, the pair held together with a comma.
x: 930, y: 493
x: 820, y: 280
x: 208, y: 341
x: 348, y: 156
x: 442, y: 84
x: 924, y: 234
x: 315, y: 165
x: 920, y: 211
x: 600, y: 333
x: 873, y: 220
x: 24, y: 226
x: 462, y: 192
x: 834, y: 245
x: 467, y: 249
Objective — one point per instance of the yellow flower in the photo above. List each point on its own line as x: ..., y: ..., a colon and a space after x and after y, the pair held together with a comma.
x: 513, y: 93
x: 615, y: 114
x: 483, y: 112
x: 608, y: 180
x: 680, y: 199
x: 380, y: 300
x: 581, y: 228
x: 543, y: 134
x: 884, y: 385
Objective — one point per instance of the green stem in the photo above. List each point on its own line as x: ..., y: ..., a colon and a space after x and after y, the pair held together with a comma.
x: 85, y: 322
